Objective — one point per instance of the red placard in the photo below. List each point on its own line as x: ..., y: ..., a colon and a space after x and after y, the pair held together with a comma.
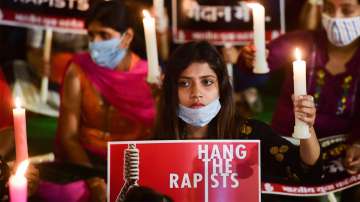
x: 190, y: 170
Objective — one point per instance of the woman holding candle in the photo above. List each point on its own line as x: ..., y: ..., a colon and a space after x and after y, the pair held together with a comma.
x: 105, y: 95
x: 197, y: 103
x: 332, y: 70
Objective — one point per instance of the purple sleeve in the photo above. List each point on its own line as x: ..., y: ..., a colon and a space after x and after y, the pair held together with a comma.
x: 355, y: 125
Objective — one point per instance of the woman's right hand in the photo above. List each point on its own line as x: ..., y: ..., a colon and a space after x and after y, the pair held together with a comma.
x: 248, y: 55
x: 97, y: 187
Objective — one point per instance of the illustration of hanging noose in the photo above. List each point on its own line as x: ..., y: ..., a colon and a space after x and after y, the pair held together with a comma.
x: 131, y: 171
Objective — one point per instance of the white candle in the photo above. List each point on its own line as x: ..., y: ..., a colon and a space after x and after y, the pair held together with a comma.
x: 151, y: 48
x: 159, y: 7
x: 47, y: 53
x: 229, y: 66
x: 18, y: 183
x: 21, y: 147
x: 301, y: 129
x: 260, y: 66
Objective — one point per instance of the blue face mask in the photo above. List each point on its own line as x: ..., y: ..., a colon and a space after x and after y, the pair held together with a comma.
x: 201, y: 116
x: 107, y: 53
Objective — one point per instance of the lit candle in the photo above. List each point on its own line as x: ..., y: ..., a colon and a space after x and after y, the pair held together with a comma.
x: 159, y: 7
x: 20, y: 132
x: 151, y: 48
x: 258, y: 11
x: 301, y: 129
x: 229, y: 65
x: 47, y: 53
x: 18, y: 183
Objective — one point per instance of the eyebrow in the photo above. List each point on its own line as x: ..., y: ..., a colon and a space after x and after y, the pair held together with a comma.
x: 202, y: 77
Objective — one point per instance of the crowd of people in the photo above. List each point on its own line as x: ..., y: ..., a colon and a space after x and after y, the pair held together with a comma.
x: 104, y: 96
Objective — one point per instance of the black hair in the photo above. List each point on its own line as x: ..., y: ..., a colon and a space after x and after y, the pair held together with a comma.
x: 169, y: 126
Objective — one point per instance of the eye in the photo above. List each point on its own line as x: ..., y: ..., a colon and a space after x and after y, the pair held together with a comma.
x: 347, y: 11
x: 90, y: 36
x: 105, y: 35
x: 207, y: 82
x: 184, y: 83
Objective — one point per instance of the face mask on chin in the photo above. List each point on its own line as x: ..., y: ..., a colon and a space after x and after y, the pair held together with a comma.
x: 201, y: 116
x: 341, y: 31
x: 107, y: 53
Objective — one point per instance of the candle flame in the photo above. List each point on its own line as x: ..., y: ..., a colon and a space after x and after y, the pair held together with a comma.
x: 21, y: 170
x: 297, y: 54
x: 17, y: 102
x: 146, y: 14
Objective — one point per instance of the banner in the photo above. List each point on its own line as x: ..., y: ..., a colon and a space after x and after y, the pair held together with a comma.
x: 334, y: 177
x: 60, y: 15
x: 223, y: 22
x: 191, y: 171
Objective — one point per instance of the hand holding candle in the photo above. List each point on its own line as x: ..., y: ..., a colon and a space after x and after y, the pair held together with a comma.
x: 261, y: 66
x: 301, y: 129
x: 20, y: 132
x: 151, y: 48
x: 18, y: 183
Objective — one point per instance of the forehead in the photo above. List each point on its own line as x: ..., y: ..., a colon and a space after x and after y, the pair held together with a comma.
x: 98, y: 27
x: 198, y: 69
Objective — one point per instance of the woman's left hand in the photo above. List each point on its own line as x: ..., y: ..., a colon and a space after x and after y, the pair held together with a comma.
x: 304, y: 109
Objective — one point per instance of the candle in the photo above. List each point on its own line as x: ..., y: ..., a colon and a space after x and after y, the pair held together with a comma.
x: 20, y: 132
x: 229, y: 65
x: 47, y: 52
x: 260, y: 66
x: 18, y: 183
x: 301, y: 129
x: 151, y: 48
x: 159, y: 7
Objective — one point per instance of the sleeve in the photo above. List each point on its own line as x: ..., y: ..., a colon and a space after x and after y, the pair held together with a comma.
x: 5, y: 103
x: 4, y: 177
x: 355, y: 123
x: 281, y: 161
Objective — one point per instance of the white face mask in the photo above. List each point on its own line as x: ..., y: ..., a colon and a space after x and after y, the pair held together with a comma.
x: 201, y: 116
x: 341, y: 31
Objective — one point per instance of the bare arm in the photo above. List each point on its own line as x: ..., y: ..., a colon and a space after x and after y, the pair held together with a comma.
x: 304, y: 109
x: 310, y: 149
x: 69, y: 121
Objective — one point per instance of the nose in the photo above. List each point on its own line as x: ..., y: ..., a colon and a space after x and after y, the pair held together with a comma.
x: 96, y: 38
x: 196, y: 92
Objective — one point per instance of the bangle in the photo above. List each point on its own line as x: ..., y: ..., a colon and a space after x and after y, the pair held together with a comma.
x: 316, y: 2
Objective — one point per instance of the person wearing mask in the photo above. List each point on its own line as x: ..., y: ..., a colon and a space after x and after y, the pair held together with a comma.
x: 197, y: 103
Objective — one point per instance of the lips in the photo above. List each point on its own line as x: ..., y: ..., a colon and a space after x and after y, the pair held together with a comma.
x: 197, y: 105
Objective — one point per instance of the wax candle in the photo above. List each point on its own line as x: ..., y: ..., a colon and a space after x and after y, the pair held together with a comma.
x: 258, y: 11
x: 18, y: 183
x: 301, y: 129
x: 151, y: 48
x: 20, y: 132
x: 47, y: 53
x: 159, y: 7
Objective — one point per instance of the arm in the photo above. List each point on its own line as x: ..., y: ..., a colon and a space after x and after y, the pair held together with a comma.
x: 69, y: 121
x: 304, y: 109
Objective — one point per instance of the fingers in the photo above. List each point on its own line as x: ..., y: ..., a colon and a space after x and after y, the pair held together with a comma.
x: 304, y: 109
x: 248, y: 54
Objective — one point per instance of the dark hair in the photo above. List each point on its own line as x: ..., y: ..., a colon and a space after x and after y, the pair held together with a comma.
x: 144, y: 194
x: 111, y: 14
x: 116, y: 15
x: 169, y: 126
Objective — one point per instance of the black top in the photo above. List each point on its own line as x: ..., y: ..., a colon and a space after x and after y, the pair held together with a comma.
x: 280, y: 159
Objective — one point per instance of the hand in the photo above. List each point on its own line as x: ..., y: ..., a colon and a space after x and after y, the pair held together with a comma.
x: 97, y: 187
x: 231, y: 54
x: 304, y: 109
x: 33, y: 177
x: 352, y: 159
x: 248, y: 55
